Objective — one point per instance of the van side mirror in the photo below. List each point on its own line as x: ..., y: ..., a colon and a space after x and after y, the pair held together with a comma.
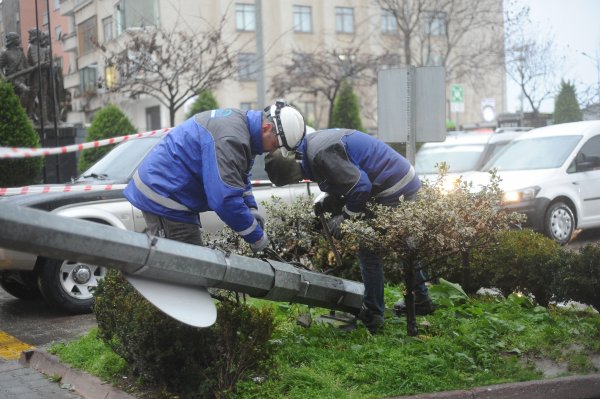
x: 585, y: 163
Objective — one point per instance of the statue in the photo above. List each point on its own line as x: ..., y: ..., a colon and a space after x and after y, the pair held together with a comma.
x: 15, y: 67
x: 38, y: 55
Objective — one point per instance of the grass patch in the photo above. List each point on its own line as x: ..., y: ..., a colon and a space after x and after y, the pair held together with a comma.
x: 468, y: 342
x: 92, y: 355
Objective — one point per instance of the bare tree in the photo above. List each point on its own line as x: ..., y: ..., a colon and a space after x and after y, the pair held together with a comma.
x: 321, y: 72
x: 463, y: 36
x: 530, y: 61
x: 171, y: 65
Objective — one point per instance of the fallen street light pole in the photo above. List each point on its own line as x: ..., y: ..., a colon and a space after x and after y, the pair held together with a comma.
x: 172, y: 275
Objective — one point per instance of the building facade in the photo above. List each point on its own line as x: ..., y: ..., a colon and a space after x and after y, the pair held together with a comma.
x: 262, y: 50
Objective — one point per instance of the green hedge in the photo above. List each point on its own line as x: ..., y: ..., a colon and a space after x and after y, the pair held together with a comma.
x: 192, y: 362
x: 109, y: 122
x: 16, y: 130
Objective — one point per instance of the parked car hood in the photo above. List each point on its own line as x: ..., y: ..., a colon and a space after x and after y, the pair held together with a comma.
x: 514, y: 179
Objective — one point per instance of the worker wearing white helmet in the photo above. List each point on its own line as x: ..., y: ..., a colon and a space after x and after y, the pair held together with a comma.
x: 204, y: 165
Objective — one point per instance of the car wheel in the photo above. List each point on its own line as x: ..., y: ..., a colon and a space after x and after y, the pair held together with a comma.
x: 560, y: 222
x: 69, y: 285
x: 21, y: 285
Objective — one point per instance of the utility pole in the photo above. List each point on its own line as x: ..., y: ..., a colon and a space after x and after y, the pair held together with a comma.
x: 260, y: 57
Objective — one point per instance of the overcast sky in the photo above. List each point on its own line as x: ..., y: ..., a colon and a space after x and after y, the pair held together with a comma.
x: 575, y: 25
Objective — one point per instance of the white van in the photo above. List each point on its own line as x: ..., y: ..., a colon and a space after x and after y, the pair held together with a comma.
x: 552, y: 175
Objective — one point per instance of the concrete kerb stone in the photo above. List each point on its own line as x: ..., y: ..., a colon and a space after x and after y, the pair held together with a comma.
x: 572, y: 387
x: 86, y: 385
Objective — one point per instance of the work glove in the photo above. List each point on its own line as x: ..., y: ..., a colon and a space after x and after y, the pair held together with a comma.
x: 335, y: 226
x: 259, y: 218
x: 261, y: 244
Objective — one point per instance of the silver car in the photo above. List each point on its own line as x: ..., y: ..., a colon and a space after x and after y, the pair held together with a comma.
x: 97, y: 196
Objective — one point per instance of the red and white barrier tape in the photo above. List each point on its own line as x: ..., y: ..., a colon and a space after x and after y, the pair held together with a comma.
x: 59, y: 189
x: 16, y: 152
x: 45, y: 189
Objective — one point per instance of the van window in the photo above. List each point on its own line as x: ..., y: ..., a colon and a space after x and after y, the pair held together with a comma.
x: 589, y: 151
x: 534, y: 153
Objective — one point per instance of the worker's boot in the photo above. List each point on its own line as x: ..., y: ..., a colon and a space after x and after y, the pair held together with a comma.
x: 373, y: 321
x: 423, y: 306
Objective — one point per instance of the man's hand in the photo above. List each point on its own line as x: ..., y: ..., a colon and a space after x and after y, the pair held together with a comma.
x: 335, y: 226
x: 259, y: 218
x: 261, y: 244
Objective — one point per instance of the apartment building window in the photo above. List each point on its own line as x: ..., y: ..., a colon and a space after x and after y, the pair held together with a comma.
x: 245, y: 17
x: 87, y: 80
x: 87, y: 33
x: 344, y: 20
x: 302, y: 19
x: 107, y: 29
x: 247, y: 66
x: 388, y: 22
x: 434, y: 23
x: 58, y: 33
x: 153, y: 118
x: 56, y: 4
x: 135, y: 14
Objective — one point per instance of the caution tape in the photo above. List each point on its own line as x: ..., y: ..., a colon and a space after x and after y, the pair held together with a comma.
x: 67, y: 188
x: 21, y: 152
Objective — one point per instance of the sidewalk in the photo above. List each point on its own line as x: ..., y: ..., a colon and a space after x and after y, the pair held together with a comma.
x: 27, y: 382
x: 18, y: 381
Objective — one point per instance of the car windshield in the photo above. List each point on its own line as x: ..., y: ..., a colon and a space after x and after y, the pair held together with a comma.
x: 534, y: 153
x: 121, y: 162
x: 459, y: 158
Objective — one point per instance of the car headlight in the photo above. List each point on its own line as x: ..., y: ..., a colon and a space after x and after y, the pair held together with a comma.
x: 529, y: 193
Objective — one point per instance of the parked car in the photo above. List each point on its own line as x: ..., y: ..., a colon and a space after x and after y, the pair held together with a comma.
x: 463, y: 153
x: 97, y: 195
x: 552, y: 175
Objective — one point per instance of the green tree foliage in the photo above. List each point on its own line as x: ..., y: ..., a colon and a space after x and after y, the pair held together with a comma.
x: 566, y: 106
x: 346, y: 113
x: 16, y: 130
x: 204, y: 102
x: 110, y: 121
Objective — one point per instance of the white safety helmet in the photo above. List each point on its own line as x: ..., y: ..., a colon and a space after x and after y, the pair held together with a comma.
x: 288, y: 125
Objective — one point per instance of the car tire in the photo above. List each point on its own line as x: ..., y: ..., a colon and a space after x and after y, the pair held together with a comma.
x: 559, y: 223
x: 69, y: 285
x: 21, y: 285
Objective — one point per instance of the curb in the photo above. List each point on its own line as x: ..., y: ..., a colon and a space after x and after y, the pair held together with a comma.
x: 86, y: 385
x: 572, y: 387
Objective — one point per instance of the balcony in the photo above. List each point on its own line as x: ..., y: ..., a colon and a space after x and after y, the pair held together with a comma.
x: 70, y: 42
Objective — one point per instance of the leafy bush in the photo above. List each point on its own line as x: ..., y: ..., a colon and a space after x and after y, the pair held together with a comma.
x: 580, y: 278
x: 16, y: 130
x: 190, y: 361
x: 437, y: 225
x: 204, y: 101
x: 109, y: 122
x: 522, y: 260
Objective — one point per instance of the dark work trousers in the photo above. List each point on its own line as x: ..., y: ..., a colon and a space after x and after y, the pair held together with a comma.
x: 163, y: 227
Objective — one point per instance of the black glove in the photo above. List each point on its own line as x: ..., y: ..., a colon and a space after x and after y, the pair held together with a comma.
x: 335, y: 226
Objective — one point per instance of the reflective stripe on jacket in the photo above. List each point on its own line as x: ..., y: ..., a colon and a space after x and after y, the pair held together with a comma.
x: 357, y: 166
x: 203, y: 164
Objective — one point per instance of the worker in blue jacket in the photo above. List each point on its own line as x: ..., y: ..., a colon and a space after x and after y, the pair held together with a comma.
x: 204, y: 165
x: 355, y: 167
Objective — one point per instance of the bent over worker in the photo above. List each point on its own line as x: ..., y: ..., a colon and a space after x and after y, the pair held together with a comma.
x: 204, y: 164
x: 356, y: 168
